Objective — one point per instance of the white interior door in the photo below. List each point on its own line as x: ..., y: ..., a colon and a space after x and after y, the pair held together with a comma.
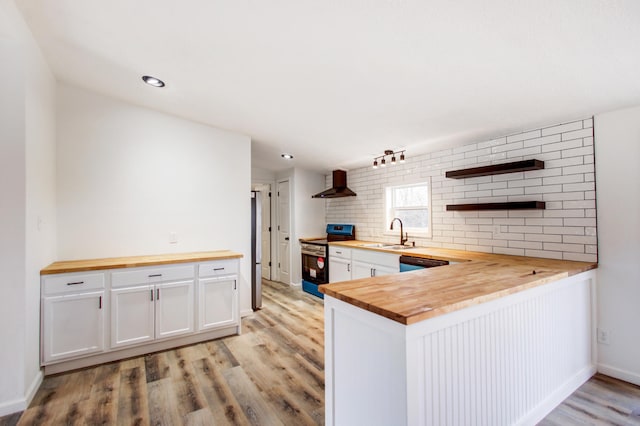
x: 266, y: 232
x: 284, y: 225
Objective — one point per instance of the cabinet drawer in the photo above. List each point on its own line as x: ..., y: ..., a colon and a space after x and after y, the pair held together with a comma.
x: 151, y: 275
x: 341, y: 252
x: 377, y: 258
x: 68, y: 283
x: 220, y: 267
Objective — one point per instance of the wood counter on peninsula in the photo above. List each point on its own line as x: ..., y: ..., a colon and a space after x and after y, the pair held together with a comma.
x: 494, y: 339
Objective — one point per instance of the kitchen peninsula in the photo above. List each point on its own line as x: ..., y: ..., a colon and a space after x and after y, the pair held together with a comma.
x: 494, y: 339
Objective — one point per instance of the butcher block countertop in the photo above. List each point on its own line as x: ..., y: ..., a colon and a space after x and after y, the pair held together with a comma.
x: 134, y: 261
x: 411, y: 297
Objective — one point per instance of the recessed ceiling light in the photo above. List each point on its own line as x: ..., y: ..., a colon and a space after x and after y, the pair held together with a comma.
x: 287, y: 156
x: 155, y: 82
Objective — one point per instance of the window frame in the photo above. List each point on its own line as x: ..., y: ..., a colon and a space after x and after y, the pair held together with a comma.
x: 413, y: 232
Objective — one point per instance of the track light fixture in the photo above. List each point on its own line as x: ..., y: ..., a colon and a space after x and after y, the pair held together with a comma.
x: 383, y: 159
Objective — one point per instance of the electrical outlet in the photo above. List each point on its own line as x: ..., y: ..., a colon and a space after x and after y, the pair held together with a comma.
x: 603, y: 336
x: 173, y: 238
x: 496, y: 230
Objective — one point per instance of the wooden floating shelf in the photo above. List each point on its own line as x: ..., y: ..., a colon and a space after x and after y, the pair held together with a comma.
x: 514, y: 205
x: 496, y: 169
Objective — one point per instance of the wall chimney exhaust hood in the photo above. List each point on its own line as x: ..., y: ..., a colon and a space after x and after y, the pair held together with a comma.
x: 339, y: 188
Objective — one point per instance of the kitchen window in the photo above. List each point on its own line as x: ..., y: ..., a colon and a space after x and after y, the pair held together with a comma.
x: 412, y: 204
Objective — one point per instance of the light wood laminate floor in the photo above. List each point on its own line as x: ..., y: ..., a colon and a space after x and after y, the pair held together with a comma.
x: 272, y: 374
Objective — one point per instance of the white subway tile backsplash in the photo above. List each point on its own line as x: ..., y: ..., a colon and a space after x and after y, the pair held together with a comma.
x: 587, y: 222
x: 523, y: 152
x: 562, y: 145
x: 573, y: 248
x: 492, y: 143
x: 578, y: 134
x: 533, y: 245
x: 565, y: 229
x: 545, y: 254
x: 572, y: 178
x: 509, y: 251
x: 570, y: 170
x: 507, y: 147
x: 542, y: 141
x: 522, y: 136
x: 587, y: 186
x: 561, y: 128
x: 580, y: 257
x: 580, y: 204
x: 544, y: 238
x: 586, y: 150
x: 542, y: 189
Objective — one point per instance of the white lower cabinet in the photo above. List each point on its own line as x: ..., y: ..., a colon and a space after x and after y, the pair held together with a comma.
x: 75, y: 325
x: 339, y: 269
x: 147, y: 308
x: 132, y: 316
x: 174, y: 309
x: 371, y: 263
x: 218, y: 305
x: 139, y: 309
x: 366, y: 270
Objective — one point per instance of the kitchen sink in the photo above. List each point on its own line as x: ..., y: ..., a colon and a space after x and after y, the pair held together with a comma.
x: 387, y: 246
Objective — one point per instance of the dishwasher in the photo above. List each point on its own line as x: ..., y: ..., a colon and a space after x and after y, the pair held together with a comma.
x: 411, y: 263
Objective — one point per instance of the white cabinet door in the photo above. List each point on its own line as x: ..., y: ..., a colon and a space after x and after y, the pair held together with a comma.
x: 367, y: 270
x: 378, y: 270
x: 218, y: 302
x: 132, y: 315
x: 339, y: 269
x: 174, y: 309
x: 361, y: 270
x: 73, y: 325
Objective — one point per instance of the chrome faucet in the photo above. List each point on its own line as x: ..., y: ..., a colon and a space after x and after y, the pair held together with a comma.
x: 406, y: 237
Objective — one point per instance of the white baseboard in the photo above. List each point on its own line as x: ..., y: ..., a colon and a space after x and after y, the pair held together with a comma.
x: 21, y: 404
x: 617, y: 373
x: 552, y: 401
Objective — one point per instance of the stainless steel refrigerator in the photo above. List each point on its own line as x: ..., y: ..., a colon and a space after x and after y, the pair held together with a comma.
x: 256, y: 250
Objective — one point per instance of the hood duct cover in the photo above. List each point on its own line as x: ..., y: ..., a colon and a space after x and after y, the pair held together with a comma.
x: 339, y: 188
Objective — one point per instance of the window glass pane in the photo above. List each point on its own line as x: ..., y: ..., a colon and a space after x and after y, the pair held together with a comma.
x: 414, y: 218
x: 410, y: 196
x: 409, y: 203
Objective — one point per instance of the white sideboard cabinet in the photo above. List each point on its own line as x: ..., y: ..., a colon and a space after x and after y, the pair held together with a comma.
x: 91, y: 317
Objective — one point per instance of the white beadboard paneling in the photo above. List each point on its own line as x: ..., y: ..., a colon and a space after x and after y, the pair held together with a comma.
x: 495, y: 363
x: 566, y: 184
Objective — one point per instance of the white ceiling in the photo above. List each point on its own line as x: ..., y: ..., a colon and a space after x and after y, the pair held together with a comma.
x: 336, y: 82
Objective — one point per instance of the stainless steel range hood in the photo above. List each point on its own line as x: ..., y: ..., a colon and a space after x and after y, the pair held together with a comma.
x: 339, y: 188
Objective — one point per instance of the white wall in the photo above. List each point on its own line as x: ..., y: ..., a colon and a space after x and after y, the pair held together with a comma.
x: 565, y: 230
x: 26, y: 193
x: 617, y: 145
x: 262, y: 175
x: 128, y: 176
x: 309, y: 214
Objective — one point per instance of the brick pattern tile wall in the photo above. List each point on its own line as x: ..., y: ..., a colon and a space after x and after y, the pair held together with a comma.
x: 565, y: 230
